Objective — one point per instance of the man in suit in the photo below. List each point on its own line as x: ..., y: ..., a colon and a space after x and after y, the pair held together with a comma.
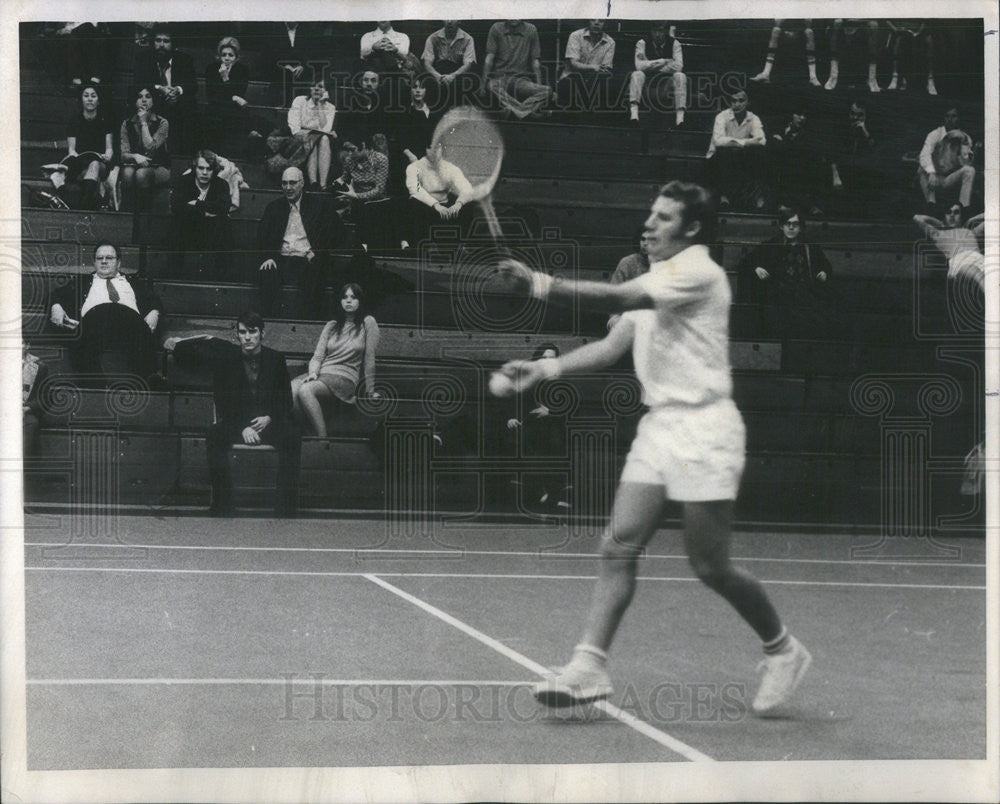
x: 112, y: 317
x: 295, y: 237
x: 170, y: 73
x: 200, y: 204
x: 253, y: 406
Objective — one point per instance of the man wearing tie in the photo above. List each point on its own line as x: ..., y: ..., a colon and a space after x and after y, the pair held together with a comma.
x: 295, y: 237
x: 172, y: 74
x: 112, y: 318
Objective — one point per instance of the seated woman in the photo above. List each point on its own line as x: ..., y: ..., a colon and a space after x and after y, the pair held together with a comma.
x: 311, y: 119
x: 366, y: 179
x: 89, y: 147
x: 145, y: 159
x: 439, y: 192
x: 226, y: 82
x: 346, y: 347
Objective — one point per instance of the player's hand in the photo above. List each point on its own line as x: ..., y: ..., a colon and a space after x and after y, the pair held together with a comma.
x: 933, y: 181
x: 312, y: 376
x: 821, y: 276
x: 268, y: 265
x: 260, y: 423
x: 513, y: 424
x: 523, y: 373
x: 540, y: 412
x: 250, y: 436
x: 515, y: 274
x: 761, y: 273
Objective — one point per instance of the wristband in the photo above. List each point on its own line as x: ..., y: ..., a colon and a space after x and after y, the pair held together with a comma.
x: 550, y: 367
x: 541, y: 284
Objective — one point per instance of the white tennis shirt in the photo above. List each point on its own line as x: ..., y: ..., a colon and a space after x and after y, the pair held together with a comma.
x: 681, y: 346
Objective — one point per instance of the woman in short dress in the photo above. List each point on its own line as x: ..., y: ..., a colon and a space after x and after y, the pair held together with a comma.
x: 89, y: 147
x: 311, y: 117
x: 346, y: 350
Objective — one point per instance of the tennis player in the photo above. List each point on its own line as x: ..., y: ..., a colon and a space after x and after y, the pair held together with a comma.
x: 689, y: 446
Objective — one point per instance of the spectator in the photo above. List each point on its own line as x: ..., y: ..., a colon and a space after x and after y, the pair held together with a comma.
x: 658, y: 57
x: 88, y: 52
x: 385, y: 49
x: 200, y: 205
x: 253, y: 406
x: 629, y: 268
x: 945, y: 162
x: 366, y: 179
x: 311, y: 120
x: 449, y: 54
x: 904, y: 39
x: 853, y: 164
x: 781, y: 26
x: 289, y: 54
x: 365, y: 110
x: 33, y: 375
x: 512, y: 72
x: 853, y: 35
x: 587, y: 73
x: 112, y: 318
x: 959, y: 242
x: 736, y: 152
x: 296, y: 235
x: 145, y: 159
x: 542, y: 435
x: 415, y: 126
x: 438, y: 192
x: 345, y: 350
x: 796, y: 164
x: 791, y: 276
x: 170, y: 74
x: 90, y: 149
x: 226, y: 81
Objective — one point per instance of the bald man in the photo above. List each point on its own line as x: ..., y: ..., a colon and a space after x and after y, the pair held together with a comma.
x: 295, y: 238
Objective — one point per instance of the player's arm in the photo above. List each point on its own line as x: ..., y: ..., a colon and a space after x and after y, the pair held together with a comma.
x: 590, y: 357
x: 631, y: 295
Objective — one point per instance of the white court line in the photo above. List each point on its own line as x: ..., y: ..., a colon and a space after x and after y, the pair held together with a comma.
x: 629, y: 720
x: 295, y: 681
x: 496, y: 576
x: 459, y: 553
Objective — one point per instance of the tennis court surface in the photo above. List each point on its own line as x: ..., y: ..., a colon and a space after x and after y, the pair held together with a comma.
x: 189, y: 642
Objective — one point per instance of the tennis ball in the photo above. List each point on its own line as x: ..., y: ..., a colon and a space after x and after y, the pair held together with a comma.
x: 501, y: 385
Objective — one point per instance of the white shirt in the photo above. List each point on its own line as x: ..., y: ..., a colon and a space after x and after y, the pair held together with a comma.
x: 98, y: 294
x: 726, y: 126
x: 681, y: 346
x: 295, y: 242
x: 400, y: 40
x: 927, y: 152
x: 306, y: 112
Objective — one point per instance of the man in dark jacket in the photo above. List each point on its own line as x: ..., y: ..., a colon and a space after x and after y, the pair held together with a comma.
x: 200, y: 204
x: 112, y: 318
x: 253, y: 406
x: 295, y: 238
x: 171, y: 73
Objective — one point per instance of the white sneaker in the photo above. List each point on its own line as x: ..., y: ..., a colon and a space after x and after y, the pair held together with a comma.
x: 893, y: 84
x: 633, y: 114
x: 972, y: 481
x: 762, y: 78
x: 782, y: 674
x: 931, y: 89
x: 873, y: 86
x: 572, y: 685
x: 831, y: 83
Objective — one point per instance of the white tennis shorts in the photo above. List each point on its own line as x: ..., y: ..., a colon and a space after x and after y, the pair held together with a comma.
x: 696, y: 454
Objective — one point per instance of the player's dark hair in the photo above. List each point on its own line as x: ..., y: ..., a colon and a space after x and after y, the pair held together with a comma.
x: 541, y: 350
x: 698, y: 203
x: 340, y: 314
x: 103, y: 243
x: 251, y: 319
x: 162, y: 28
